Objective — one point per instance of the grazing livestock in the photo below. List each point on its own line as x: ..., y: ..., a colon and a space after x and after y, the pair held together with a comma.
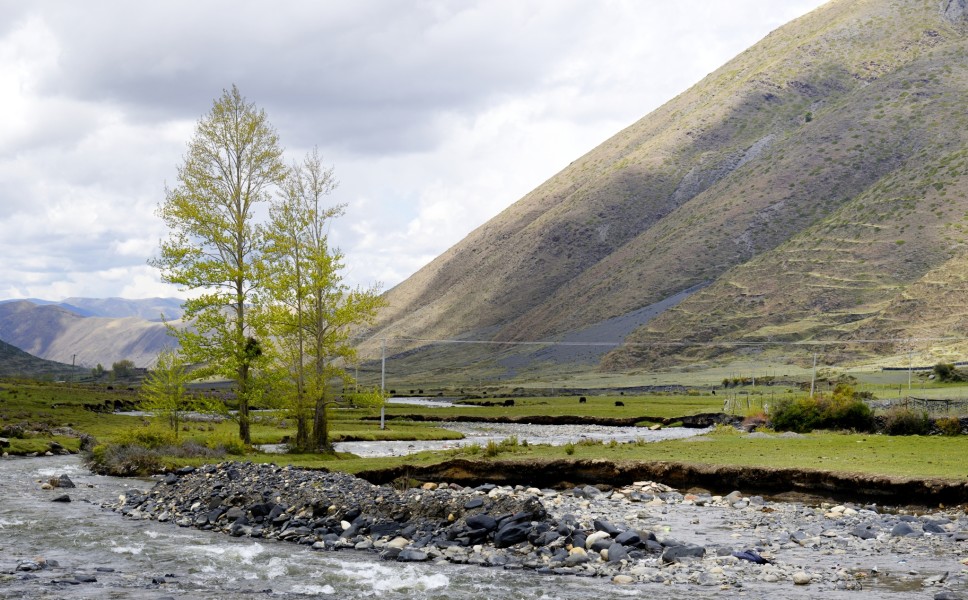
x: 509, y: 403
x: 582, y: 400
x: 619, y: 403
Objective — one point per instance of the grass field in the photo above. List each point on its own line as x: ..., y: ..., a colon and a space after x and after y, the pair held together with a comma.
x: 48, y: 407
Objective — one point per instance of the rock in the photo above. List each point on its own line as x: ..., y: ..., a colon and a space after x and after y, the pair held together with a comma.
x: 605, y: 526
x: 398, y: 542
x: 412, y: 555
x: 749, y: 555
x: 948, y: 595
x: 801, y: 578
x: 629, y: 538
x: 674, y: 553
x: 595, y: 537
x: 863, y: 532
x: 474, y: 503
x: 481, y: 521
x: 511, y: 534
x: 903, y: 530
x: 62, y: 498
x: 62, y: 482
x: 623, y: 579
x: 617, y: 552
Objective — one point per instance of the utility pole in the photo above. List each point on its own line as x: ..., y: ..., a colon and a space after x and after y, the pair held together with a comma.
x: 910, y: 368
x: 73, y: 357
x: 813, y: 376
x: 383, y: 384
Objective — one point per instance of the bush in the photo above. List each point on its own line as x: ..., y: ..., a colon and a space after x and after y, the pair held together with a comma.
x: 148, y: 437
x: 569, y: 448
x: 124, y: 460
x: 950, y: 426
x: 227, y: 443
x: 491, y: 449
x: 901, y: 420
x: 800, y: 415
x: 844, y: 410
x: 946, y: 372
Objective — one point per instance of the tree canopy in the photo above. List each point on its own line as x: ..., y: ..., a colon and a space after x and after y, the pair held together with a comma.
x: 233, y: 163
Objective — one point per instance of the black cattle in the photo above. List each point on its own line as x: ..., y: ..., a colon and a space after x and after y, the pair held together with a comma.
x: 582, y: 400
x: 619, y: 403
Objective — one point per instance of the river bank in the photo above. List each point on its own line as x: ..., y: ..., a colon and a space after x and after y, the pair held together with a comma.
x: 639, y: 534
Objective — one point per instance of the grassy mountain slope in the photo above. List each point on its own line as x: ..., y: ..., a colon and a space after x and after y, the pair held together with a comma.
x: 14, y: 362
x: 810, y: 181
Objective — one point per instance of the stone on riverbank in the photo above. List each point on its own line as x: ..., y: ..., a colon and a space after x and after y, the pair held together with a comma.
x: 645, y: 532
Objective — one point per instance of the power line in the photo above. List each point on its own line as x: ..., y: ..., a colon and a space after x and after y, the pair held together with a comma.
x: 740, y: 343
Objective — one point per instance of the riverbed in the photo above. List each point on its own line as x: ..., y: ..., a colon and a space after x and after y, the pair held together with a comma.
x: 91, y: 552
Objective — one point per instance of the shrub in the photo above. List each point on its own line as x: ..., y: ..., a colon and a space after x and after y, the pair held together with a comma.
x: 950, y: 426
x: 723, y: 429
x: 148, y: 437
x: 901, y: 420
x: 124, y: 460
x: 844, y: 410
x: 227, y: 443
x: 800, y: 415
x: 491, y: 449
x: 569, y: 448
x: 946, y: 372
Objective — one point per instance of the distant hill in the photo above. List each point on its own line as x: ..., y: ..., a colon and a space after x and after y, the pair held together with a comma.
x: 14, y: 362
x: 815, y: 187
x: 54, y: 332
x: 149, y: 309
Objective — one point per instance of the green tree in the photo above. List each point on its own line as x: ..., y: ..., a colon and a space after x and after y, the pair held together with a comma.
x: 165, y: 393
x: 232, y: 164
x: 122, y: 369
x: 312, y: 311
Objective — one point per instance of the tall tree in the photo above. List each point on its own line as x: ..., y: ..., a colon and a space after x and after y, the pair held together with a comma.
x: 313, y: 310
x: 233, y: 162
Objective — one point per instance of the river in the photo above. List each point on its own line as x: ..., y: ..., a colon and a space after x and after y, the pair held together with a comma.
x: 93, y: 552
x: 129, y: 558
x: 482, y: 433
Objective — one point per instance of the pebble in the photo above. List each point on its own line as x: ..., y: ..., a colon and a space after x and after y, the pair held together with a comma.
x: 642, y: 533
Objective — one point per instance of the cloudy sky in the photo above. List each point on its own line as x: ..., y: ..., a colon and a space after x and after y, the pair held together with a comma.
x: 435, y: 115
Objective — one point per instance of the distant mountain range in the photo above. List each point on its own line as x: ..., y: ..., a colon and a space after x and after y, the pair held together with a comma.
x: 150, y: 309
x: 815, y: 187
x: 90, y: 331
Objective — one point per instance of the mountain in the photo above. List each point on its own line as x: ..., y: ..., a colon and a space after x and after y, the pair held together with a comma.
x: 53, y: 332
x: 14, y: 362
x: 815, y: 187
x: 149, y: 309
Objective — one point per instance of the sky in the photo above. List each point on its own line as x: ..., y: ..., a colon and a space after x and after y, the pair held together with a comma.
x: 435, y: 115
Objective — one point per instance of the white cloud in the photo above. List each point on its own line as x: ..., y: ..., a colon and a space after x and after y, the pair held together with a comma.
x: 435, y: 115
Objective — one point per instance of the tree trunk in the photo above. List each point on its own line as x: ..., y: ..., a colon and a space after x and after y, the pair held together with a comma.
x: 321, y: 426
x: 243, y: 395
x: 302, y: 432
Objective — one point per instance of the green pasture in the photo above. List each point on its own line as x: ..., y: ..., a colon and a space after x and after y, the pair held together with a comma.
x: 47, y: 407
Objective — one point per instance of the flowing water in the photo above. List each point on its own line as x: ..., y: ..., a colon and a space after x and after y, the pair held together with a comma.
x: 126, y: 558
x: 131, y: 559
x: 482, y: 433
